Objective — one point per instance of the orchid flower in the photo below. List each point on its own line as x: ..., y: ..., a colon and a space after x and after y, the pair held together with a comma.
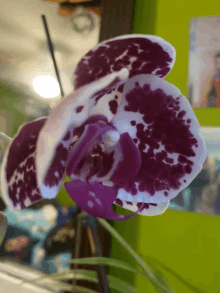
x: 124, y: 136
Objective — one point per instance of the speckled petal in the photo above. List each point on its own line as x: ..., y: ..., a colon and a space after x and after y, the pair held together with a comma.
x: 54, y: 177
x: 163, y: 125
x: 18, y: 174
x: 95, y: 199
x: 140, y: 54
x: 108, y: 104
x: 149, y: 209
x: 69, y: 114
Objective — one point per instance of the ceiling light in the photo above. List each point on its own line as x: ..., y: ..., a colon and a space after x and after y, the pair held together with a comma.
x: 46, y: 86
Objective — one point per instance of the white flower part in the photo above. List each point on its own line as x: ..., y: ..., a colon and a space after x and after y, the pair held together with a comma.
x: 152, y: 210
x: 110, y: 138
x: 90, y: 204
x: 92, y: 193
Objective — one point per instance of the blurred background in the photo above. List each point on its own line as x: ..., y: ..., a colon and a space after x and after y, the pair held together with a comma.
x: 41, y: 238
x: 28, y: 85
x: 187, y: 242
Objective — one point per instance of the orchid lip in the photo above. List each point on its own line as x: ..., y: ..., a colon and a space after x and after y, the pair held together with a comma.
x: 85, y: 145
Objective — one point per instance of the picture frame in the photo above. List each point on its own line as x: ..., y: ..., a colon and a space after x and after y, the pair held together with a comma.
x: 204, y: 62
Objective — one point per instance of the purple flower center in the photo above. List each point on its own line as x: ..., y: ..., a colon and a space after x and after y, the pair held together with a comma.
x: 89, y: 155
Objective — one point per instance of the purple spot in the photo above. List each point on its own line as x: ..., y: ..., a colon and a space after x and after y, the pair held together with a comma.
x: 188, y: 169
x: 169, y: 160
x: 146, y: 205
x: 120, y: 88
x: 133, y: 123
x: 79, y: 109
x: 61, y: 154
x: 113, y: 106
x: 67, y: 136
x: 181, y: 114
x: 119, y: 202
x: 165, y: 193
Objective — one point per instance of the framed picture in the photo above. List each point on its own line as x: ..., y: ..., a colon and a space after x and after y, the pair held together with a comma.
x: 204, y: 62
x: 203, y: 193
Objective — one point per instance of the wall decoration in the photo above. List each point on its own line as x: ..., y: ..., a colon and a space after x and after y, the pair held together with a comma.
x: 204, y: 62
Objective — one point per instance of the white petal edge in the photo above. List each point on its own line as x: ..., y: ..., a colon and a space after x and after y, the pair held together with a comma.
x: 151, y: 211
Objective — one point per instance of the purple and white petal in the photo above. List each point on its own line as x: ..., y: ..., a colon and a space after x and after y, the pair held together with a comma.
x: 18, y: 174
x: 162, y: 124
x: 101, y: 154
x: 121, y: 160
x: 55, y: 174
x: 140, y: 54
x: 108, y: 104
x: 95, y: 199
x: 84, y: 146
x: 149, y: 209
x: 70, y: 113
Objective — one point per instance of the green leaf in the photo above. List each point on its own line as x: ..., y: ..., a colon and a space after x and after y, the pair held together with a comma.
x: 61, y: 285
x: 91, y: 276
x: 114, y: 283
x: 154, y: 278
x: 121, y: 286
x: 187, y: 284
x: 160, y: 277
x: 106, y: 261
x: 79, y: 289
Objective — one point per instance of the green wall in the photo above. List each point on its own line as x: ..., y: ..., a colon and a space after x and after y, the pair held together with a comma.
x: 186, y: 242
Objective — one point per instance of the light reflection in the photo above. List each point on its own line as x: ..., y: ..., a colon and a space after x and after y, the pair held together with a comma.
x: 46, y: 86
